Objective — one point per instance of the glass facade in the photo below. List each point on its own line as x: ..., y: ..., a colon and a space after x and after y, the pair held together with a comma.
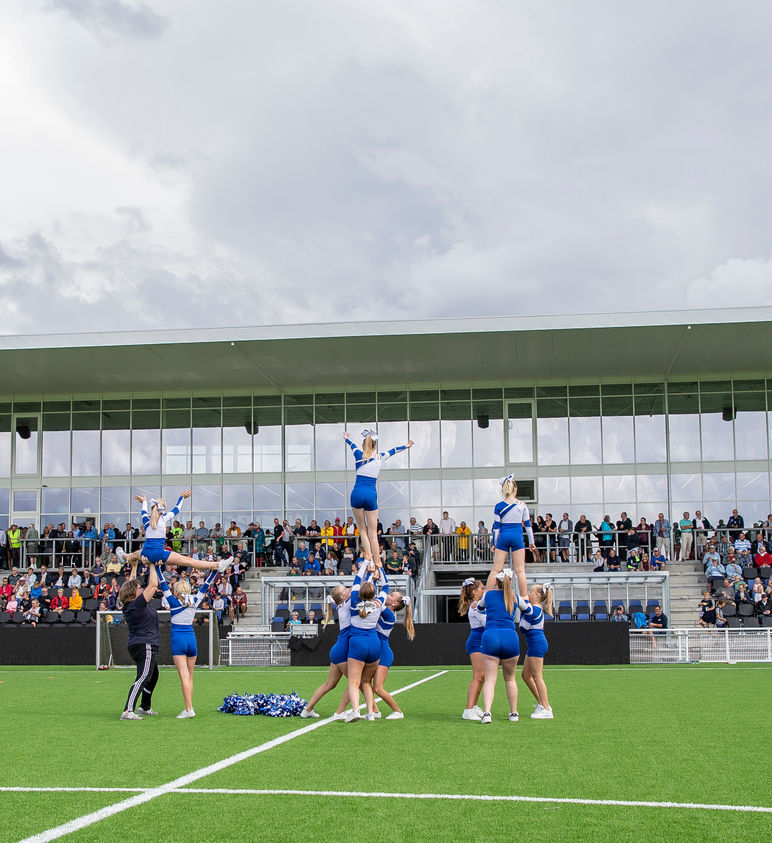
x: 582, y: 448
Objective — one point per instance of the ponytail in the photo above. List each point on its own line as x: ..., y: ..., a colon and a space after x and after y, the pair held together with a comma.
x: 409, y: 628
x: 368, y: 447
x: 336, y: 597
x: 544, y: 593
x: 467, y: 595
x: 155, y: 513
x: 509, y: 595
x: 328, y: 613
x: 508, y: 487
x: 366, y: 593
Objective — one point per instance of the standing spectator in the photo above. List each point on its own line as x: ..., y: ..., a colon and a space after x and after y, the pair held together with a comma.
x: 327, y: 534
x: 14, y: 542
x: 701, y: 526
x: 430, y: 530
x: 238, y: 603
x: 202, y: 537
x: 482, y: 543
x: 606, y: 536
x: 631, y: 546
x: 313, y: 533
x: 735, y: 524
x: 350, y: 531
x: 767, y: 527
x: 397, y: 529
x: 447, y: 528
x: 645, y: 532
x: 565, y: 534
x: 583, y: 539
x: 188, y: 537
x: 707, y: 610
x: 463, y: 532
x: 259, y: 545
x: 415, y: 531
x: 661, y: 532
x: 337, y: 530
x: 3, y: 548
x: 687, y: 530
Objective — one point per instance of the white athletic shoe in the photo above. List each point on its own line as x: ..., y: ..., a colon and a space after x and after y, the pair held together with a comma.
x: 308, y: 712
x: 150, y: 712
x: 119, y: 553
x: 542, y: 713
x: 226, y: 563
x: 471, y: 714
x: 352, y: 717
x: 377, y: 714
x: 341, y: 716
x: 129, y: 715
x: 513, y: 717
x: 486, y: 718
x: 396, y: 715
x: 185, y: 714
x: 477, y: 710
x: 370, y: 716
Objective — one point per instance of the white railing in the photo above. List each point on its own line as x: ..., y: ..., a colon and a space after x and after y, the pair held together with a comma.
x: 684, y: 646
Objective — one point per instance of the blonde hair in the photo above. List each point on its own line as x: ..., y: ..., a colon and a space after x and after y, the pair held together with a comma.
x: 467, y: 596
x: 509, y: 596
x: 509, y: 487
x: 181, y: 587
x: 337, y: 596
x: 544, y: 596
x: 155, y: 513
x: 366, y: 592
x: 368, y: 447
x: 409, y: 627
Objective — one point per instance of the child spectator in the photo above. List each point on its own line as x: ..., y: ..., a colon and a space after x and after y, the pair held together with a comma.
x: 720, y: 619
x: 707, y: 611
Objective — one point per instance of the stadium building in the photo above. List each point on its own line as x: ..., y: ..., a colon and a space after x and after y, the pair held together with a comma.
x: 645, y: 412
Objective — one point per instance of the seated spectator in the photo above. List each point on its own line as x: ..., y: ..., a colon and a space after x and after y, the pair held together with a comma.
x: 32, y: 615
x: 45, y: 599
x: 311, y: 617
x: 76, y: 601
x: 726, y: 590
x: 742, y: 593
x: 302, y: 553
x: 707, y: 610
x: 329, y: 567
x: 12, y: 605
x: 742, y: 543
x: 74, y: 580
x: 657, y: 625
x: 745, y: 559
x: 764, y: 606
x: 758, y: 589
x: 734, y: 568
x: 762, y: 558
x: 294, y: 620
x: 238, y: 603
x: 716, y: 569
x: 711, y: 556
x: 598, y: 562
x: 6, y: 590
x: 408, y: 566
x: 311, y: 567
x: 645, y: 561
x: 294, y: 568
x: 60, y: 602
x: 619, y: 615
x: 658, y: 560
x: 612, y: 561
x: 393, y: 563
x: 218, y: 604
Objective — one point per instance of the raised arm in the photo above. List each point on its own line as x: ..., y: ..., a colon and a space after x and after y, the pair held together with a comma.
x: 362, y: 574
x: 385, y: 587
x: 145, y: 516
x: 205, y: 586
x: 390, y: 453
x: 152, y: 585
x: 175, y: 510
x: 357, y: 453
x: 162, y: 584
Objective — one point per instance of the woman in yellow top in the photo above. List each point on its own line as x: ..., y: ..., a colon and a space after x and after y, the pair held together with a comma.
x: 327, y: 533
x: 463, y: 532
x: 76, y: 601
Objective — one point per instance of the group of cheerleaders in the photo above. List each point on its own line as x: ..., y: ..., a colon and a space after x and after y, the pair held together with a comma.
x: 366, y: 611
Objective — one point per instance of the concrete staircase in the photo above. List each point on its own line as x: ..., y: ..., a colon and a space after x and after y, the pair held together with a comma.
x: 687, y: 582
x: 252, y: 585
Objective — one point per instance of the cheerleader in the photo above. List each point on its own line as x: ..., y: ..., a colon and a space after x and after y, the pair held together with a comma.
x: 510, y: 516
x: 340, y: 596
x: 500, y: 645
x: 364, y: 647
x: 468, y: 604
x: 532, y: 615
x: 364, y: 496
x: 182, y: 607
x: 155, y: 523
x: 392, y: 603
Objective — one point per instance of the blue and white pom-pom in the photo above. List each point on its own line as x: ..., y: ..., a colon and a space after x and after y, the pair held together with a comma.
x: 271, y: 705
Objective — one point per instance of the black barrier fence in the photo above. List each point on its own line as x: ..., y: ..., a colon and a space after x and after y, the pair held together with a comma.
x: 443, y: 644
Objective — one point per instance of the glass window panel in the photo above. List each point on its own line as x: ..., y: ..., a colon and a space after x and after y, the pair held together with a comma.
x: 717, y: 437
x: 268, y: 497
x: 235, y: 401
x: 424, y: 395
x: 426, y: 452
x: 25, y: 500
x: 85, y: 453
x: 593, y: 512
x: 552, y: 408
x: 686, y: 487
x: 616, y: 508
x: 146, y: 403
x: 85, y: 501
x: 456, y: 410
x: 29, y: 406
x: 551, y: 391
x: 608, y: 389
x: 753, y: 485
x: 552, y: 440
x: 209, y: 518
x: 518, y: 392
x: 425, y: 493
x: 394, y: 494
x: 55, y: 500
x: 753, y: 510
x: 146, y: 451
x: 26, y: 456
x: 456, y: 443
x: 360, y: 415
x: 653, y: 388
x: 520, y: 432
x: 211, y: 401
x: 488, y: 442
x: 618, y: 438
x: 267, y: 449
x: 587, y: 489
x: 301, y: 399
x: 651, y: 487
x: 242, y: 519
x: 684, y: 428
x: 267, y: 401
x: 619, y: 488
x: 392, y: 413
x: 487, y: 492
x: 680, y: 388
x: 748, y: 385
x: 176, y: 403
x: 86, y: 421
x: 456, y: 493
x: 5, y: 453
x: 299, y: 447
x: 391, y: 434
x: 207, y: 450
x: 237, y: 496
x: 59, y: 406
x: 583, y: 389
x: 552, y: 489
x: 56, y: 453
x: 715, y: 386
x: 237, y: 446
x: 331, y: 496
x: 718, y: 486
x: 330, y: 414
x: 176, y: 450
x: 300, y: 496
x: 331, y: 450
x: 116, y: 449
x: 207, y: 498
x: 330, y: 398
x: 650, y: 445
x: 424, y: 412
x: 115, y: 499
x: 585, y: 440
x: 750, y: 427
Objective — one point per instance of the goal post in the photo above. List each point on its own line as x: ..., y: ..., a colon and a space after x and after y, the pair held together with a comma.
x: 112, y: 635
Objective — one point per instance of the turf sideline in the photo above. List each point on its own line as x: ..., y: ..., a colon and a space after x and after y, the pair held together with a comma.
x: 189, y: 778
x: 471, y: 797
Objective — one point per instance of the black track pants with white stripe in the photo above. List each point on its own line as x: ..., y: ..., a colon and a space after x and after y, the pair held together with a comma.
x: 147, y: 675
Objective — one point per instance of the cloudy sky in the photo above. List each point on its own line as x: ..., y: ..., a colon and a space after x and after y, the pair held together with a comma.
x: 194, y: 164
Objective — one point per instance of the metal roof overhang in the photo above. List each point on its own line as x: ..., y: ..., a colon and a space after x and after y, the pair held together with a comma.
x: 297, y: 357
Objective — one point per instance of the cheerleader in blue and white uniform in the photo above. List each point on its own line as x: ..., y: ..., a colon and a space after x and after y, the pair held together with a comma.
x: 364, y: 495
x: 393, y: 602
x: 511, y: 517
x: 500, y: 645
x: 468, y: 604
x: 532, y: 624
x: 364, y: 647
x: 182, y: 608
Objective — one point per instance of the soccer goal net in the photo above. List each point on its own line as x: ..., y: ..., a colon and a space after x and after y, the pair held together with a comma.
x: 112, y: 635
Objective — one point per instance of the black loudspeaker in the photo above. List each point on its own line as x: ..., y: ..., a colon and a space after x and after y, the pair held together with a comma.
x: 482, y: 420
x: 252, y: 428
x: 728, y: 414
x: 23, y: 431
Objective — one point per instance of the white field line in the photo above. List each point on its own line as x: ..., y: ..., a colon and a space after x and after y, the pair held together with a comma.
x: 457, y: 797
x: 180, y: 782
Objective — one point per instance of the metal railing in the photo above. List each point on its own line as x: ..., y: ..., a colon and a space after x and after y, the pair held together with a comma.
x: 684, y: 646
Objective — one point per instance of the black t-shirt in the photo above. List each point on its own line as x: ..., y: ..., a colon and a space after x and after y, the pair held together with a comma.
x: 662, y: 619
x: 142, y: 620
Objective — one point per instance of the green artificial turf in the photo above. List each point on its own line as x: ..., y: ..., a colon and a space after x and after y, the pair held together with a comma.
x: 635, y: 733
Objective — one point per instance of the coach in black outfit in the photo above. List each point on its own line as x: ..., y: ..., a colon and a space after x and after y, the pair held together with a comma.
x: 143, y: 643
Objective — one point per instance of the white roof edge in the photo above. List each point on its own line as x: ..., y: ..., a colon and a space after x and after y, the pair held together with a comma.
x: 330, y: 330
